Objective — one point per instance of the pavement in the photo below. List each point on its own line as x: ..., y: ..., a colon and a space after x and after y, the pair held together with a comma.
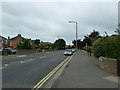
x: 81, y: 72
x: 27, y: 71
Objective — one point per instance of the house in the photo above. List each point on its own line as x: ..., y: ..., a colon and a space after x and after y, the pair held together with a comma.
x: 15, y: 40
x: 4, y: 42
x: 32, y: 42
x: 44, y: 43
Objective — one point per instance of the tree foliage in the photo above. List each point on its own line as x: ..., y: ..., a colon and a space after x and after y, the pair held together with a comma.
x: 87, y: 40
x: 24, y: 44
x: 37, y: 41
x: 79, y: 43
x: 94, y: 36
x: 87, y: 48
x: 118, y: 30
x: 60, y: 44
x: 107, y: 47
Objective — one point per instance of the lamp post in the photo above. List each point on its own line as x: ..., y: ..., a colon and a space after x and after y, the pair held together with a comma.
x: 76, y: 32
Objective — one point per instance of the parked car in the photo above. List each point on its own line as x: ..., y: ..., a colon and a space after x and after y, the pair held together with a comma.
x: 73, y: 50
x: 11, y: 50
x: 3, y: 51
x: 39, y: 50
x: 68, y: 52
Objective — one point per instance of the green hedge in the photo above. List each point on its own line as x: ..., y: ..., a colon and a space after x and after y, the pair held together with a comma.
x: 87, y: 48
x: 107, y: 47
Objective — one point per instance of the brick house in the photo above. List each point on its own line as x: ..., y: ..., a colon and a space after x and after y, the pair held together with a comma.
x: 15, y: 40
x: 44, y: 43
x: 32, y: 42
x: 4, y: 42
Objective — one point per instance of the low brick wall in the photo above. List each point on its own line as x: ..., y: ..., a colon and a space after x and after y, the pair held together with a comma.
x: 108, y: 64
x: 31, y: 51
x: 104, y: 63
x: 26, y: 51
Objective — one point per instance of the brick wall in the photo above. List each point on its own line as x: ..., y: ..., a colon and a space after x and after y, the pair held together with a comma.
x: 26, y: 51
x: 105, y: 63
x: 31, y: 51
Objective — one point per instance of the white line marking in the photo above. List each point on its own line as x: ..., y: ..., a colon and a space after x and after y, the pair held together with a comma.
x: 2, y: 67
x: 21, y: 61
x: 26, y: 61
x: 47, y: 52
x: 112, y: 78
x: 42, y: 56
x: 21, y: 56
x: 6, y: 65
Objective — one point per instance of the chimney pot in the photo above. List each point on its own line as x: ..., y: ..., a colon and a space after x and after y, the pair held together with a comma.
x: 19, y: 35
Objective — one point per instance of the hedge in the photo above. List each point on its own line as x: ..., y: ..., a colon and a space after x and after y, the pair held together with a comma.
x: 107, y: 47
x: 87, y: 48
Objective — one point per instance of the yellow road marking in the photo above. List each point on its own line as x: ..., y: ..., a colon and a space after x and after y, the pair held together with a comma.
x: 52, y: 73
x: 41, y: 82
x: 48, y: 74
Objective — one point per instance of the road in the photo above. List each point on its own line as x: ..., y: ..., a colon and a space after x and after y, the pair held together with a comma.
x: 27, y: 71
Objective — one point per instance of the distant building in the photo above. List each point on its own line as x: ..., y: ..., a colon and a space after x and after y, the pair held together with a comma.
x: 4, y: 42
x: 44, y: 43
x: 15, y: 40
x: 32, y: 42
x: 12, y: 42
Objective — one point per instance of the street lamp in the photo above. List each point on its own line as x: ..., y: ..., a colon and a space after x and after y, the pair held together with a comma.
x: 76, y: 32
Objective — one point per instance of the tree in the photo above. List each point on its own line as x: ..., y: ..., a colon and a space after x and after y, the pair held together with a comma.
x: 118, y: 30
x: 79, y: 43
x: 24, y: 44
x: 107, y: 47
x: 52, y: 46
x: 37, y: 42
x: 69, y: 46
x: 86, y: 40
x: 60, y: 44
x: 94, y: 35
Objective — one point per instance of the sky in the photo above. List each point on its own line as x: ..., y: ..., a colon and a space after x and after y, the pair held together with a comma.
x: 48, y: 21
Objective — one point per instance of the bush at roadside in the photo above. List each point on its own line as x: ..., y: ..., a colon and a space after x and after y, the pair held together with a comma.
x: 107, y: 47
x: 87, y: 48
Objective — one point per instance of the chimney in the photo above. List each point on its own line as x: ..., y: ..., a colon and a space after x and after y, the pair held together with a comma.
x: 19, y: 35
x: 8, y: 37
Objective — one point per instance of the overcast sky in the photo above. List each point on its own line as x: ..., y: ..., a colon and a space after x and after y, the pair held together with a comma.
x: 48, y: 21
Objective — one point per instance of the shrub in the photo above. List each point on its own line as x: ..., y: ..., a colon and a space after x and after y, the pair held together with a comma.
x: 87, y: 48
x: 24, y: 44
x: 107, y: 47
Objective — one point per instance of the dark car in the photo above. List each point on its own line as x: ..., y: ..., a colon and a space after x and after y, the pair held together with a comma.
x: 3, y: 51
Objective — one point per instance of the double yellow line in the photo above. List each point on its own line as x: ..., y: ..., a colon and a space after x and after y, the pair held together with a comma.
x: 41, y: 82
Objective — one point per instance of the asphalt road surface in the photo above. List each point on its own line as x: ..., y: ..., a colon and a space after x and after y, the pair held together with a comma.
x: 27, y: 71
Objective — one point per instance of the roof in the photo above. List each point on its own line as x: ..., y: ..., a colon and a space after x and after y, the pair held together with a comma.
x: 17, y: 37
x: 1, y: 37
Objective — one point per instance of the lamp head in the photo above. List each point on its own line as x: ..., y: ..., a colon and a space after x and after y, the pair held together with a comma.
x: 71, y: 22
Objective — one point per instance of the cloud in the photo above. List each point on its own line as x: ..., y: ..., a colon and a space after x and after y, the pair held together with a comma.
x: 48, y: 20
